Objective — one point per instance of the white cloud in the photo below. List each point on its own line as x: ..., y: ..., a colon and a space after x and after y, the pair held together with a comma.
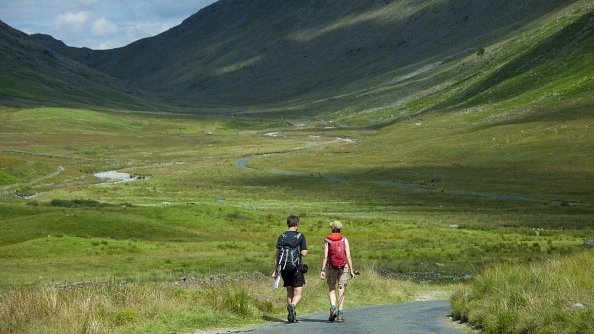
x: 98, y: 24
x: 72, y: 20
x: 103, y: 27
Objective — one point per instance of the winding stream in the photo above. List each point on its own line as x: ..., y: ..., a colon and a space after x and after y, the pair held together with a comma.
x: 243, y: 163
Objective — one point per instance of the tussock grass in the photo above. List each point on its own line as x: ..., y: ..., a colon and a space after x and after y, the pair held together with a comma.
x: 549, y: 297
x: 157, y: 307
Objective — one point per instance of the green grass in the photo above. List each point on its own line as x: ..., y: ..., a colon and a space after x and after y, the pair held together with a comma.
x: 480, y: 151
x: 160, y: 243
x: 223, y: 216
x: 549, y: 297
x: 156, y: 308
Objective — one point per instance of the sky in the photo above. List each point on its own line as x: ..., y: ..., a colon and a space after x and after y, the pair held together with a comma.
x: 97, y: 24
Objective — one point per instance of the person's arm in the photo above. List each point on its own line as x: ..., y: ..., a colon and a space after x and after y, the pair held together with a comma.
x: 347, y: 251
x: 324, y: 261
x: 303, y: 247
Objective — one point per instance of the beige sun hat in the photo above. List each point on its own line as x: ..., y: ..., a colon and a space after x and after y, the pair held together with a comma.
x: 336, y: 225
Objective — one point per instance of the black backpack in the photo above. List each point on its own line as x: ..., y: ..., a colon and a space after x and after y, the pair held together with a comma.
x: 290, y: 252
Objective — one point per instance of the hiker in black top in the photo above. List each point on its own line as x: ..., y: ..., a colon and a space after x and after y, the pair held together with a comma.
x: 289, y: 267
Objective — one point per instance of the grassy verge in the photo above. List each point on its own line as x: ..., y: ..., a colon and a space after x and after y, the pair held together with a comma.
x: 550, y: 297
x: 218, y: 302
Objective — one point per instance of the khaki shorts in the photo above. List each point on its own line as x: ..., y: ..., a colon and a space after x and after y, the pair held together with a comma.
x: 341, y: 276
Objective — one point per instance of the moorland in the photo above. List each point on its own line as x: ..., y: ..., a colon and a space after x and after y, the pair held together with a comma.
x: 463, y: 171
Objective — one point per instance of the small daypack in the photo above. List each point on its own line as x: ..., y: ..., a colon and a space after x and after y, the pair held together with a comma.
x: 290, y: 252
x: 336, y: 252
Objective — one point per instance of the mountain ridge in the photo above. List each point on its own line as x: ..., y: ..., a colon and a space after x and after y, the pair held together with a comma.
x: 239, y: 54
x: 34, y: 74
x: 299, y: 49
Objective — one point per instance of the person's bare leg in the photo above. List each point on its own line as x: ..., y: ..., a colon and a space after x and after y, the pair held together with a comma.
x: 341, y: 296
x: 292, y: 300
x: 332, y: 294
x: 296, y: 297
x: 332, y: 297
x: 290, y: 294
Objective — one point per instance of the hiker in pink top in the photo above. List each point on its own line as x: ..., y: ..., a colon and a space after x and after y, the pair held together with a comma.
x: 336, y: 266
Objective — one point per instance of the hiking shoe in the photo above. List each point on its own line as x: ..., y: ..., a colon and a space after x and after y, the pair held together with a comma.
x: 332, y: 314
x: 291, y: 316
x: 340, y: 317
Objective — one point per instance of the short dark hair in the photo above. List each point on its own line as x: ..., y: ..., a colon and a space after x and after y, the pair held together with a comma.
x: 292, y: 220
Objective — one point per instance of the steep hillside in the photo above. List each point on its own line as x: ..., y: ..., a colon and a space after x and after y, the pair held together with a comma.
x: 32, y: 74
x: 545, y: 65
x: 245, y: 53
x: 284, y: 58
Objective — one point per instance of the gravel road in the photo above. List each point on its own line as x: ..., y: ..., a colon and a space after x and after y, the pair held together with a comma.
x: 411, y: 318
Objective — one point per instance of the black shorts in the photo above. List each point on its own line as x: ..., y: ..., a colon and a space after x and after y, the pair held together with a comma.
x: 293, y: 278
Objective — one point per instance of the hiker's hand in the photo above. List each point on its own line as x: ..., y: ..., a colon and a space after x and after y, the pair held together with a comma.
x: 322, y: 274
x: 274, y: 274
x: 354, y: 273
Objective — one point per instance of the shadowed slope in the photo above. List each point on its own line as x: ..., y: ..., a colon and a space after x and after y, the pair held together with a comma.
x: 252, y: 52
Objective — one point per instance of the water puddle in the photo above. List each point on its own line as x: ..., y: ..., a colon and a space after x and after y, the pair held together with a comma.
x: 113, y: 176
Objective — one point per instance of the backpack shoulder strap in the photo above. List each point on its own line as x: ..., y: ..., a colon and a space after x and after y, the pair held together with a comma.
x: 292, y: 242
x: 298, y: 243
